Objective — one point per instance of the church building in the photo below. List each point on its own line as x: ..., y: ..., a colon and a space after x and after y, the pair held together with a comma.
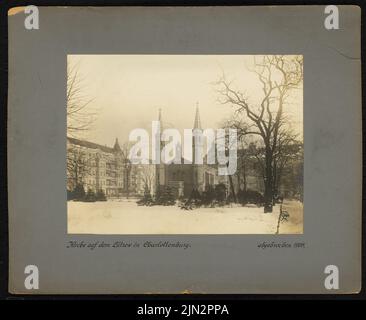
x: 184, y: 178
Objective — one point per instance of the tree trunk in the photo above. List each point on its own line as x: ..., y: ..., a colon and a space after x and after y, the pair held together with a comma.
x: 232, y: 186
x: 275, y: 178
x: 76, y: 176
x: 245, y: 177
x: 268, y: 186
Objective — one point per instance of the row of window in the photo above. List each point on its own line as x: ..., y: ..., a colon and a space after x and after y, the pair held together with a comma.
x: 103, y: 183
x: 106, y: 174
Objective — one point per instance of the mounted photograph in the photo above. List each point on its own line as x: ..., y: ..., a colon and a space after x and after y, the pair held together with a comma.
x: 184, y: 144
x: 161, y: 150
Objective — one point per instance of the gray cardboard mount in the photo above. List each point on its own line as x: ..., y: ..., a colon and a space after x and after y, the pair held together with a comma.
x: 213, y: 263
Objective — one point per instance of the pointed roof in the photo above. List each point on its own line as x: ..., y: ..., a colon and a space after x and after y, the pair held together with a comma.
x: 160, y: 119
x: 197, y: 119
x: 116, y: 147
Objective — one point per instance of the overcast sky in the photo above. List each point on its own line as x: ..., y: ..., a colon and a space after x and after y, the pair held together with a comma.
x: 128, y: 91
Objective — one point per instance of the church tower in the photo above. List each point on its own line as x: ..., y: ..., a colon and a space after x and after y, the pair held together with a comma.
x: 196, y: 140
x: 116, y: 146
x: 196, y: 144
x: 160, y: 168
x: 197, y: 119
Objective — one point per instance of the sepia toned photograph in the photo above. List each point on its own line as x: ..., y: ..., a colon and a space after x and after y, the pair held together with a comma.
x: 185, y: 144
x: 161, y: 150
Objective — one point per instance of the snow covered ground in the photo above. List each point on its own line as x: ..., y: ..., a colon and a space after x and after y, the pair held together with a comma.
x: 126, y: 217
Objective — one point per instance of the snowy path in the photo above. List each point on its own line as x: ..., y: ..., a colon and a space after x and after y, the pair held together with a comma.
x: 126, y: 217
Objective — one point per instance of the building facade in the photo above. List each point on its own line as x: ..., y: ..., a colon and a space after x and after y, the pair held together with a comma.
x: 97, y: 167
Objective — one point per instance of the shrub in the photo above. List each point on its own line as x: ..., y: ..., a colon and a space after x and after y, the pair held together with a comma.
x: 165, y: 196
x: 241, y: 195
x: 186, y: 205
x: 90, y: 196
x: 100, y: 196
x: 194, y: 201
x: 69, y: 195
x: 220, y: 193
x: 146, y: 200
x: 277, y: 198
x: 250, y: 196
x: 230, y: 198
x: 195, y: 198
x: 78, y: 193
x: 208, y: 196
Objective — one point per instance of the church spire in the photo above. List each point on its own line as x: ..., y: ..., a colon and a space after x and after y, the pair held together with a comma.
x: 197, y: 119
x: 159, y: 115
x: 116, y: 147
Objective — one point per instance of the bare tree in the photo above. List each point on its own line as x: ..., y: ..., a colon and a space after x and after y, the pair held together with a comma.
x: 278, y: 76
x: 147, y: 174
x: 287, y: 150
x: 78, y: 166
x: 80, y: 115
x: 257, y: 151
x: 243, y: 159
x: 245, y: 150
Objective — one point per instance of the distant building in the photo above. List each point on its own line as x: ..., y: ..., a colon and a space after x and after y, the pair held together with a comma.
x: 99, y: 167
